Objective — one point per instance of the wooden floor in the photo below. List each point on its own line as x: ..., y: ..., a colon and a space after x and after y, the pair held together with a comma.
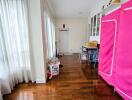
x: 75, y: 82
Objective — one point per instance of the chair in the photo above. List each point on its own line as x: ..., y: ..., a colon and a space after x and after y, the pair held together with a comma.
x: 93, y: 56
x: 83, y: 54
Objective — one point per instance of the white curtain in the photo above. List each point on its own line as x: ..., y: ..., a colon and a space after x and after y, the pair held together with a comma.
x: 50, y: 35
x: 14, y: 44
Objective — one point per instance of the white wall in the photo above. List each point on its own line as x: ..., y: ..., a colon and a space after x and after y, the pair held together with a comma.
x: 97, y: 8
x: 78, y: 32
x: 37, y: 42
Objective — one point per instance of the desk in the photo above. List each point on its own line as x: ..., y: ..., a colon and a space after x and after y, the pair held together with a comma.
x: 90, y: 48
x: 92, y: 53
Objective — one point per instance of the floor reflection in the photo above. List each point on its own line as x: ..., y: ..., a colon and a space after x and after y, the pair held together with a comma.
x: 75, y: 82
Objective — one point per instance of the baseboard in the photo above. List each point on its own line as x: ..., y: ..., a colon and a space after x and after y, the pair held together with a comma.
x: 68, y: 53
x: 65, y: 53
x: 40, y: 81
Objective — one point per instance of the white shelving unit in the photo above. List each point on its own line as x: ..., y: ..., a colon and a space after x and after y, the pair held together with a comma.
x: 95, y: 27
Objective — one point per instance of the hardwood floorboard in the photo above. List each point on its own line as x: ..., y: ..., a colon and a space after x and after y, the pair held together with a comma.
x: 75, y: 82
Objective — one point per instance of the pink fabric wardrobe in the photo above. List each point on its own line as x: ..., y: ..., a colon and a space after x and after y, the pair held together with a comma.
x: 109, y: 32
x: 115, y: 57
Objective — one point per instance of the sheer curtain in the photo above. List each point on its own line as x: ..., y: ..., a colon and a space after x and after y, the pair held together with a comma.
x: 14, y: 45
x: 50, y: 35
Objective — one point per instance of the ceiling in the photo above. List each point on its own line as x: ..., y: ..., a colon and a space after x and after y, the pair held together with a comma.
x: 73, y: 8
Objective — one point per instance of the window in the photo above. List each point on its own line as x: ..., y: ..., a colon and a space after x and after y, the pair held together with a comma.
x: 50, y: 35
x: 14, y: 43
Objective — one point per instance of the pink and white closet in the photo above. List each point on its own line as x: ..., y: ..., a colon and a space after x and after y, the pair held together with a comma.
x: 115, y: 57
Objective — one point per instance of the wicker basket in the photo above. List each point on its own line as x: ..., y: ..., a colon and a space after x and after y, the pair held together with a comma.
x: 91, y: 44
x: 116, y: 1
